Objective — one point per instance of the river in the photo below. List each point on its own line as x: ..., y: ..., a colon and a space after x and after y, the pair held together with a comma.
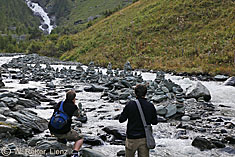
x: 167, y: 144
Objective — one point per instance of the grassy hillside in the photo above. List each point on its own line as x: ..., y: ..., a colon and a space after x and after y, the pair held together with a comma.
x: 191, y: 36
x: 15, y: 13
x: 74, y: 14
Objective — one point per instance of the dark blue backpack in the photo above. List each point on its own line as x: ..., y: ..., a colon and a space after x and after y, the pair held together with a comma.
x: 59, y: 118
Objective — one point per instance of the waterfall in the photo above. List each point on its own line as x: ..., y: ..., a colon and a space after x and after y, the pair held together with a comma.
x: 38, y: 10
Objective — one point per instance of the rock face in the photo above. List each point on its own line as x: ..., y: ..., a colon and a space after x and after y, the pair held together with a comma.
x: 230, y: 81
x: 197, y: 91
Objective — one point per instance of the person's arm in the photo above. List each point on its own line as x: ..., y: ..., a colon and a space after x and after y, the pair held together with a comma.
x: 154, y: 116
x: 76, y: 113
x: 56, y: 107
x: 124, y: 114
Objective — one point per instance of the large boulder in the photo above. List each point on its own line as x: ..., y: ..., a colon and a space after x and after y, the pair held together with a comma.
x: 45, y: 26
x: 230, y: 139
x: 30, y: 120
x: 27, y: 103
x: 198, y: 90
x: 171, y: 110
x: 15, y: 129
x: 30, y: 94
x: 6, y: 127
x: 202, y: 143
x: 10, y: 101
x: 92, y: 140
x: 118, y: 133
x: 161, y: 110
x: 94, y: 88
x: 230, y: 81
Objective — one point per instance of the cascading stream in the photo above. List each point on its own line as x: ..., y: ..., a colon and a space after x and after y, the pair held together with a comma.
x: 46, y: 25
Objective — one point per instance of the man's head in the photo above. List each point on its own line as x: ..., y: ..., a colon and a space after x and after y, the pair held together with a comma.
x: 140, y: 91
x: 70, y: 95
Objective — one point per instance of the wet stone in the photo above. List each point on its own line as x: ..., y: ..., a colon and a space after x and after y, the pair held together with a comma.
x: 217, y: 143
x: 221, y: 77
x: 185, y: 118
x: 230, y: 81
x: 92, y: 140
x: 202, y: 143
x: 171, y: 110
x: 230, y: 139
x: 2, y: 118
x: 87, y: 152
x: 161, y: 110
x: 118, y: 133
x: 121, y: 153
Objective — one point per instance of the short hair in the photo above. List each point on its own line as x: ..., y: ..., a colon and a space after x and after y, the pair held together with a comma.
x: 140, y: 90
x: 70, y: 95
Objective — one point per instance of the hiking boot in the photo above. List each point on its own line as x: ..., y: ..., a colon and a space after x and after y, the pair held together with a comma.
x: 64, y: 141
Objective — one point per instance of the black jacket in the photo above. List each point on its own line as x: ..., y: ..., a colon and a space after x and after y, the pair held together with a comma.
x: 70, y: 109
x: 135, y: 127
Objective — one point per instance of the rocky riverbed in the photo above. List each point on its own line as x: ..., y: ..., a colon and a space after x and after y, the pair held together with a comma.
x: 196, y: 118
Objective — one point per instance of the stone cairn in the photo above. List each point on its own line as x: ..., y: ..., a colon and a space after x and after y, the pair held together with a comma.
x: 116, y: 85
x: 1, y: 83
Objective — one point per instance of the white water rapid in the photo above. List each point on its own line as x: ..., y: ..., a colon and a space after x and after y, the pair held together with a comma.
x: 167, y: 145
x: 38, y: 10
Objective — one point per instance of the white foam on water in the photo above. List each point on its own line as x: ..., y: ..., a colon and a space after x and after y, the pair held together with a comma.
x: 166, y: 146
x: 37, y: 9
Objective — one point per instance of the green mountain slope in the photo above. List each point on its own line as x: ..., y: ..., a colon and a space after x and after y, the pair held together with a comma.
x: 73, y: 15
x: 15, y: 13
x: 191, y: 36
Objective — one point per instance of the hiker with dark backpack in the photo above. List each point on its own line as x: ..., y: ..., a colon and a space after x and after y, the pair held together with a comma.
x: 61, y: 120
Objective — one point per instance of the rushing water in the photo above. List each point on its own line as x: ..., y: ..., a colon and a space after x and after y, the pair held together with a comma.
x: 37, y: 9
x: 167, y: 145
